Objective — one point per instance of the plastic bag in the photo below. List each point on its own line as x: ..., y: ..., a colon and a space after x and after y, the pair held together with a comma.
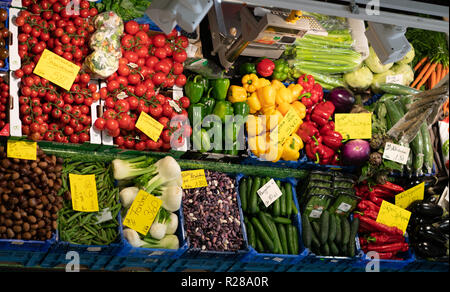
x: 205, y: 68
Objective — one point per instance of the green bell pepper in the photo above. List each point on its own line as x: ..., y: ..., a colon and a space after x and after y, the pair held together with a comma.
x: 206, y: 84
x: 194, y: 88
x: 196, y: 116
x: 209, y: 103
x: 220, y: 88
x: 247, y: 68
x: 223, y: 108
x: 281, y: 70
x: 241, y: 108
x: 201, y: 140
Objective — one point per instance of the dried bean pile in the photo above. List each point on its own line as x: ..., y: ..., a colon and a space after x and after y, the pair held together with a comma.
x: 212, y: 218
x: 29, y: 203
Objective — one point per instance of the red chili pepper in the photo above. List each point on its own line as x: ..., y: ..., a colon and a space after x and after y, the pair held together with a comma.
x: 375, y: 226
x: 322, y: 113
x: 386, y: 255
x: 382, y: 238
x: 368, y: 213
x: 392, y: 247
x: 383, y: 192
x: 368, y: 205
x: 376, y: 200
x: 363, y: 242
x: 392, y: 187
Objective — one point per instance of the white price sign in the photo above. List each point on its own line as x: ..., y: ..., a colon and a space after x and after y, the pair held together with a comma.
x: 395, y: 79
x: 269, y: 193
x: 396, y: 153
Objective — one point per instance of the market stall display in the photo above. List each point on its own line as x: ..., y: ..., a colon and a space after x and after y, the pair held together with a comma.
x: 320, y: 159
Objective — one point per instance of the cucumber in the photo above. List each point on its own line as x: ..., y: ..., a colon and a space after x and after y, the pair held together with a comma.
x: 332, y: 231
x: 325, y: 249
x: 315, y: 243
x: 282, y: 220
x: 387, y: 96
x: 295, y: 238
x: 338, y: 238
x: 324, y: 227
x: 316, y: 228
x: 249, y: 191
x: 398, y: 89
x: 277, y: 236
x: 428, y: 153
x: 290, y: 240
x: 259, y: 246
x: 277, y: 204
x: 344, y: 250
x: 394, y: 112
x: 283, y: 201
x: 283, y: 237
x: 289, y: 199
x: 294, y: 209
x: 251, y: 235
x: 351, y: 251
x: 345, y: 231
x: 265, y: 239
x: 265, y: 222
x: 253, y: 199
x: 333, y: 248
x: 243, y: 194
x: 307, y: 230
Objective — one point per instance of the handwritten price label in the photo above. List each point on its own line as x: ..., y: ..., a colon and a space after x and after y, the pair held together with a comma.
x: 290, y: 123
x: 56, y: 69
x: 269, y: 193
x: 405, y: 199
x: 193, y: 179
x: 395, y: 79
x: 142, y: 212
x: 393, y: 216
x: 83, y: 189
x: 396, y: 153
x: 354, y: 126
x: 21, y: 150
x: 151, y: 127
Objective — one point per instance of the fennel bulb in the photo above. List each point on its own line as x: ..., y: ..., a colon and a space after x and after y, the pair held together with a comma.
x: 172, y: 224
x: 128, y: 195
x: 133, y: 167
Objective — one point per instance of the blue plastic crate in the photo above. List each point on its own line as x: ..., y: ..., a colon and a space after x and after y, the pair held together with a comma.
x: 92, y: 261
x: 23, y: 258
x: 150, y: 258
x: 202, y: 264
x: 213, y: 257
x: 261, y: 262
x: 5, y: 5
x: 421, y: 265
x: 252, y: 159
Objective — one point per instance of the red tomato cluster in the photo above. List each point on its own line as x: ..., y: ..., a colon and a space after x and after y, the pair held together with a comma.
x: 49, y: 112
x: 4, y: 96
x: 150, y: 63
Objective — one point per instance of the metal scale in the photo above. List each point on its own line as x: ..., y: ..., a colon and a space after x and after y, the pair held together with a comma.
x: 236, y: 31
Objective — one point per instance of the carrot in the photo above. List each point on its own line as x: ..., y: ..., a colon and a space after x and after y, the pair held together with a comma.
x: 439, y: 72
x: 420, y: 63
x: 427, y: 75
x: 421, y: 74
x: 433, y: 79
x: 445, y: 107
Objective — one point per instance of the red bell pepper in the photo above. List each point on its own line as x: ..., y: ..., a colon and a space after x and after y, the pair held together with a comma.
x: 333, y: 140
x: 392, y: 187
x: 392, y: 247
x: 307, y: 82
x: 382, y: 238
x: 322, y: 113
x: 329, y: 127
x: 306, y: 131
x: 326, y: 154
x: 317, y: 93
x: 312, y: 151
x: 336, y: 160
x: 265, y: 67
x: 375, y: 226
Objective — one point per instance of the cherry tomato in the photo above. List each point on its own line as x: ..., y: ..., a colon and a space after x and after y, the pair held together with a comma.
x: 112, y: 124
x: 185, y: 102
x: 100, y: 124
x: 180, y: 80
x: 131, y: 27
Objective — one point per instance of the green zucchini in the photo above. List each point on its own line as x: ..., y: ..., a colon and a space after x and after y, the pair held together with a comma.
x: 253, y: 199
x: 394, y: 112
x: 263, y: 234
x: 398, y: 89
x: 332, y: 228
x: 345, y: 231
x: 307, y: 230
x: 427, y: 149
x: 243, y: 194
x: 289, y: 199
x: 283, y: 237
x: 324, y: 227
x: 338, y: 238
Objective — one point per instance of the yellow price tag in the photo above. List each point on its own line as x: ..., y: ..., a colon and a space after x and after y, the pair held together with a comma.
x: 354, y: 126
x: 149, y: 126
x: 287, y: 127
x: 56, y: 69
x: 194, y: 179
x: 393, y: 216
x: 83, y: 190
x: 403, y: 200
x: 21, y: 150
x: 142, y: 212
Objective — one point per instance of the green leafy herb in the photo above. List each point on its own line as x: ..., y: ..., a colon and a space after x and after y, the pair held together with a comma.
x: 126, y: 9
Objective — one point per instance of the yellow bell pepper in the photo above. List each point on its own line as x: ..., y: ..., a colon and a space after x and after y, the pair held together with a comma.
x: 284, y: 107
x: 283, y: 95
x: 249, y: 82
x: 296, y: 90
x: 292, y: 147
x: 254, y: 103
x: 273, y: 119
x: 258, y: 145
x: 237, y: 94
x: 267, y: 96
x: 255, y: 125
x: 277, y: 84
x: 262, y: 82
x: 274, y: 152
x: 300, y: 108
